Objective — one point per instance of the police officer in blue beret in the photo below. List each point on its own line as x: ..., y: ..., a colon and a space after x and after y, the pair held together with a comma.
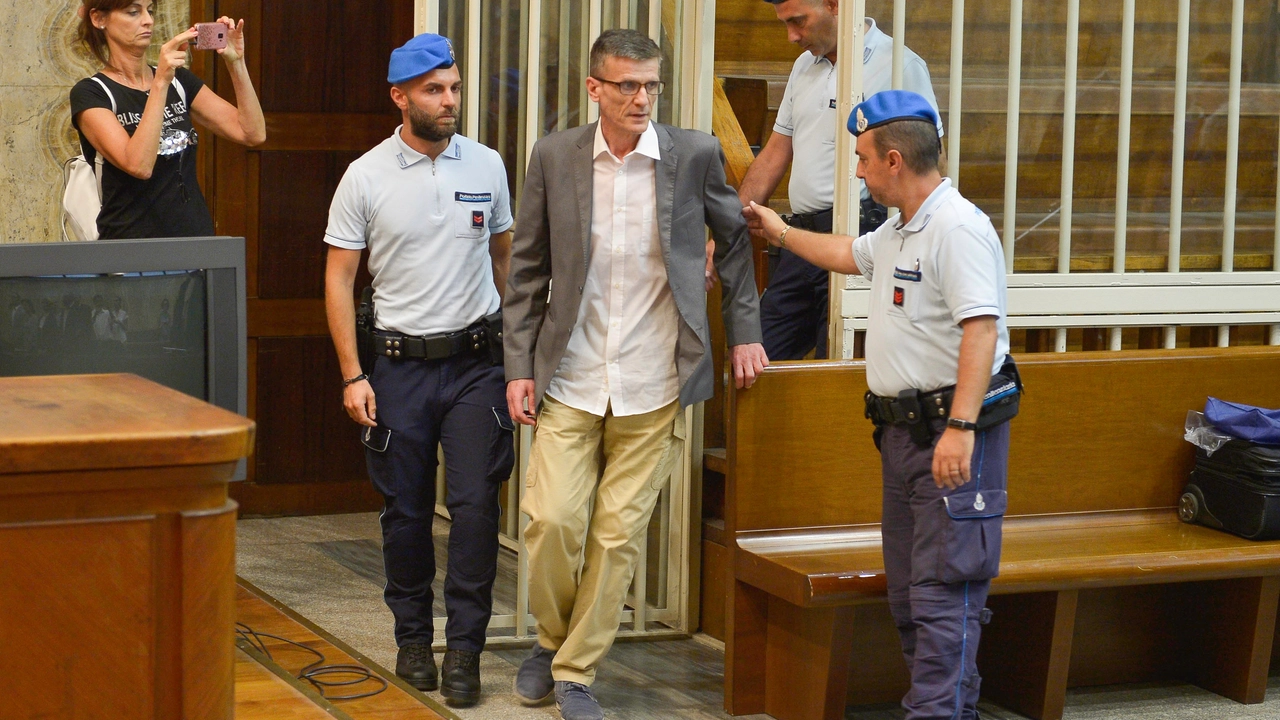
x: 942, y: 389
x: 433, y: 211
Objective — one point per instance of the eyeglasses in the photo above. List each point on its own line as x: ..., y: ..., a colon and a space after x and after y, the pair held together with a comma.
x: 631, y: 87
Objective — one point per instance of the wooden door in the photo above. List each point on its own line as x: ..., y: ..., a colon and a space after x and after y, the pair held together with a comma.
x: 320, y: 68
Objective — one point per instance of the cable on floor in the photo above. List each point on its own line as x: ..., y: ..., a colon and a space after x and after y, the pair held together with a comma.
x: 316, y: 673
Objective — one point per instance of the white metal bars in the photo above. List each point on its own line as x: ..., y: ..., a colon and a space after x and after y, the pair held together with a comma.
x: 1274, y: 338
x: 1070, y: 71
x: 1179, y: 150
x: 1233, y: 151
x: 954, y: 110
x: 1120, y: 248
x: 1012, y: 131
x: 848, y: 194
x: 899, y: 41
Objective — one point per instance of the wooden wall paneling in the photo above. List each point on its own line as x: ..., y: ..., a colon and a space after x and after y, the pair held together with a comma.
x: 746, y: 632
x: 715, y: 577
x: 306, y: 434
x: 208, y: 590
x: 877, y: 672
x: 103, y: 597
x: 1126, y: 635
x: 1275, y: 648
x: 296, y: 189
x: 1229, y: 627
x: 808, y: 655
x: 1025, y: 652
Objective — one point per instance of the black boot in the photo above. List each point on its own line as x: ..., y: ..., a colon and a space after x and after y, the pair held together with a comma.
x: 460, y: 677
x: 417, y: 666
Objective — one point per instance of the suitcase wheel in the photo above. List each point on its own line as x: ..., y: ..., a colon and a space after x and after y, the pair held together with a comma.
x: 1189, y: 507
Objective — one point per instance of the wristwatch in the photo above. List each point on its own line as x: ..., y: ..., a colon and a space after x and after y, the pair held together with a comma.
x: 959, y: 424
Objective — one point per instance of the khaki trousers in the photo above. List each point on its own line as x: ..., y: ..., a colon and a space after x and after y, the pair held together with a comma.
x: 578, y: 613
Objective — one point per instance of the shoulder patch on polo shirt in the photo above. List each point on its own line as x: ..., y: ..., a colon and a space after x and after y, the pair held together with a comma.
x: 473, y: 197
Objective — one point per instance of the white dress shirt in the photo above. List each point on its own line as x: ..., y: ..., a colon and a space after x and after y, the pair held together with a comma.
x: 622, y: 351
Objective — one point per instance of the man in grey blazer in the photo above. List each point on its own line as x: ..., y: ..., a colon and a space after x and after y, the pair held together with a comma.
x: 604, y: 359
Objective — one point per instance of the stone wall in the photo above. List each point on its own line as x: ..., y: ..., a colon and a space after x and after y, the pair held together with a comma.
x: 42, y: 60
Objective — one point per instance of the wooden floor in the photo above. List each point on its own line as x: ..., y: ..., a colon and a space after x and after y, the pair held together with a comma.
x: 268, y: 689
x: 263, y: 695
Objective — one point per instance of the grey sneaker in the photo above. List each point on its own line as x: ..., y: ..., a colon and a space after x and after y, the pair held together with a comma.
x: 575, y: 702
x: 534, y: 683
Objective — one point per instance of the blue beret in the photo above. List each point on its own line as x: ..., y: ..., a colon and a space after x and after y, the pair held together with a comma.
x: 419, y: 56
x: 888, y: 106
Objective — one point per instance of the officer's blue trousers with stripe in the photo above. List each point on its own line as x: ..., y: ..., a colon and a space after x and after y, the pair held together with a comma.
x: 939, y: 569
x: 460, y: 404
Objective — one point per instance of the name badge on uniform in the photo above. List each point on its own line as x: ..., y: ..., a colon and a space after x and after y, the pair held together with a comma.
x: 477, y: 219
x: 473, y: 197
x: 908, y: 275
x: 899, y: 296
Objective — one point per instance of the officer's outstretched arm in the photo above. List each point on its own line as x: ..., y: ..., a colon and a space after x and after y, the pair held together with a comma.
x: 829, y: 252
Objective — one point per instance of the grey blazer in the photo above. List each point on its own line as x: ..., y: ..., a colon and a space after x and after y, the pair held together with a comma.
x: 553, y: 241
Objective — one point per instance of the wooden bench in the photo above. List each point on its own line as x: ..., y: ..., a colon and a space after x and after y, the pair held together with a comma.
x: 1100, y: 583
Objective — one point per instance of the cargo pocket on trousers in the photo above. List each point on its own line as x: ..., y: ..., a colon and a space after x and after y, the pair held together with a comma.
x: 502, y: 449
x: 972, y: 523
x: 671, y: 455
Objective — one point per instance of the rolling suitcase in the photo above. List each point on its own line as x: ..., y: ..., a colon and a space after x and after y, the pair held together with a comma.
x: 1236, y: 489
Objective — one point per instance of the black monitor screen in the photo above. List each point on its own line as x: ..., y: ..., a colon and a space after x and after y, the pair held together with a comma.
x: 151, y: 324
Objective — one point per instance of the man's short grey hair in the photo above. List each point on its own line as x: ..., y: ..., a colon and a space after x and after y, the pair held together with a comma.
x: 916, y: 140
x: 630, y: 44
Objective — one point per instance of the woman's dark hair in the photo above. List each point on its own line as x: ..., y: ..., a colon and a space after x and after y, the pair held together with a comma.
x: 91, y: 36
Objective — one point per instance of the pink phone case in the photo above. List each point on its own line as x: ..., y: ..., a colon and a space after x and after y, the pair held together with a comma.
x: 211, y: 36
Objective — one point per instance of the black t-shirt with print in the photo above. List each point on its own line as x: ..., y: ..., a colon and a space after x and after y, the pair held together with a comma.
x: 169, y: 203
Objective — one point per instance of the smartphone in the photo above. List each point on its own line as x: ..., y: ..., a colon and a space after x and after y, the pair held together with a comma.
x: 211, y: 36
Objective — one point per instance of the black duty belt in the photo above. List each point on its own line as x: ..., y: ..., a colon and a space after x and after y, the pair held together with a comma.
x: 816, y: 222
x: 913, y: 408
x: 399, y: 346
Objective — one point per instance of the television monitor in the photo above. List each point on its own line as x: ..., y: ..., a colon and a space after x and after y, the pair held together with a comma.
x: 171, y: 310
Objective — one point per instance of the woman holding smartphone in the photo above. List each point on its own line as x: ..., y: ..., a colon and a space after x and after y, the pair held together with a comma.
x: 140, y: 118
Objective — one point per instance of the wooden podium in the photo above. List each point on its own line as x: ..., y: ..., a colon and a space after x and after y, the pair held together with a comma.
x: 117, y: 549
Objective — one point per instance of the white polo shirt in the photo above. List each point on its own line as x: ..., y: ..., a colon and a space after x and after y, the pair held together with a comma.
x: 809, y: 117
x: 944, y: 266
x: 427, y: 225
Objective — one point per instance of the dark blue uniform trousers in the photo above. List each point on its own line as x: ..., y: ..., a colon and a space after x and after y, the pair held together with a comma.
x: 793, y: 309
x: 939, y: 568
x: 459, y: 403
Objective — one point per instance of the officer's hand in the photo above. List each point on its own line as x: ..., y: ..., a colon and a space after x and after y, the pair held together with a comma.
x: 712, y: 277
x: 748, y: 362
x: 951, y: 458
x: 764, y: 222
x: 358, y: 399
x: 520, y: 392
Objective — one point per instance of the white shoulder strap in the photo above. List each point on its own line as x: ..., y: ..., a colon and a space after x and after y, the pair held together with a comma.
x: 182, y: 92
x: 106, y: 90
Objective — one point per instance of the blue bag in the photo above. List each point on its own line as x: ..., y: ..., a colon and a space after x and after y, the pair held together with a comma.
x: 1245, y: 422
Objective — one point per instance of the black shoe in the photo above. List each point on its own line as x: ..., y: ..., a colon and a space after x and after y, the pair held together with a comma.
x: 417, y: 666
x: 460, y: 677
